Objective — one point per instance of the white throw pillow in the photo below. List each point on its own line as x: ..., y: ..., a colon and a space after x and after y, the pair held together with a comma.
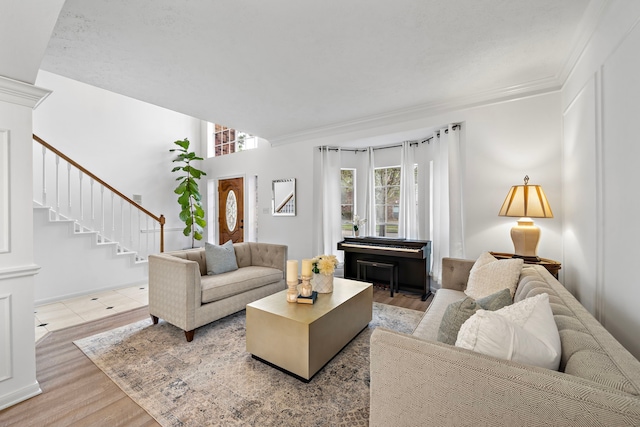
x: 490, y: 275
x: 523, y: 332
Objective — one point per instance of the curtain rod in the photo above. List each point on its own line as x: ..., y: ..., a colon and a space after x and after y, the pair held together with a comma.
x: 416, y: 143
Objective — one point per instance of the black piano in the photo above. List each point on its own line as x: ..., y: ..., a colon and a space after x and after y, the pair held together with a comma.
x: 412, y: 256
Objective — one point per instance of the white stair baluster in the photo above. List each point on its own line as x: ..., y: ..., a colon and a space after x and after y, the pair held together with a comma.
x: 139, y: 231
x: 130, y: 227
x: 93, y: 209
x: 102, y: 212
x: 121, y: 240
x: 113, y: 218
x: 69, y: 189
x: 57, y: 188
x: 146, y: 252
x: 44, y: 176
x: 80, y: 176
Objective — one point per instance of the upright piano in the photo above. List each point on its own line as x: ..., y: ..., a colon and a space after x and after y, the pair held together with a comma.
x: 412, y: 256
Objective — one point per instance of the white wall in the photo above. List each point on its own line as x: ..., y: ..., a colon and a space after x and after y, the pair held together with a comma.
x: 17, y: 337
x: 123, y: 141
x: 600, y: 104
x: 500, y: 144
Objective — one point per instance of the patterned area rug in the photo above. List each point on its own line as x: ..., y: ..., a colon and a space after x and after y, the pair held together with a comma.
x: 214, y: 381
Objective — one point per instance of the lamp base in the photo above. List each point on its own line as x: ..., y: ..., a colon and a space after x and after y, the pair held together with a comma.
x: 525, y: 237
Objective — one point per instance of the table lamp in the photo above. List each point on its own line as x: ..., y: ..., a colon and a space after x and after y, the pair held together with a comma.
x: 526, y: 202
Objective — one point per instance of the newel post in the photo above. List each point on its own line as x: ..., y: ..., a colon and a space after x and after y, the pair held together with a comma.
x: 162, y: 220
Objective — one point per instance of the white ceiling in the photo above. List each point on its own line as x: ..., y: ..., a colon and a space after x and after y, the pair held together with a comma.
x: 283, y: 67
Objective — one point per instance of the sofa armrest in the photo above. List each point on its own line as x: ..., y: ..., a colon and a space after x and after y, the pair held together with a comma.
x: 174, y: 289
x: 416, y: 383
x: 455, y: 273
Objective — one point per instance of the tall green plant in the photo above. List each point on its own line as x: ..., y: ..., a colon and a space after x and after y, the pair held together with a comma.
x: 191, y: 213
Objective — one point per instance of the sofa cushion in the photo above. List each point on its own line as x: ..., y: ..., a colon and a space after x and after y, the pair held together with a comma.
x: 220, y: 259
x: 458, y: 312
x: 428, y: 327
x: 524, y: 332
x: 489, y: 275
x: 224, y: 285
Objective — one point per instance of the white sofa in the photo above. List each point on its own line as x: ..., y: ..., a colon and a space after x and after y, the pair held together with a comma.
x: 418, y: 381
x: 181, y: 292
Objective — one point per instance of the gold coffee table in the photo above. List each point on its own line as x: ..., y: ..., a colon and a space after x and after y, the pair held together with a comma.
x: 301, y: 338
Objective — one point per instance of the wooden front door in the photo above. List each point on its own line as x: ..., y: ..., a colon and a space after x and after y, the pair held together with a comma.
x: 231, y: 210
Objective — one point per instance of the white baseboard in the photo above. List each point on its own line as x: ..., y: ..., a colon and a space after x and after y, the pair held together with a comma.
x: 20, y: 395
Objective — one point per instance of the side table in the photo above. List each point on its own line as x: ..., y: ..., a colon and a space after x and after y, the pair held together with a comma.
x: 549, y: 264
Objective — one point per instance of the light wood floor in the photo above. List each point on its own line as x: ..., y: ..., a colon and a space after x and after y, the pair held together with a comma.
x: 77, y: 393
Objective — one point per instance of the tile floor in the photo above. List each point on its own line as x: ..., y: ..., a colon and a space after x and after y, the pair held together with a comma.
x: 61, y: 314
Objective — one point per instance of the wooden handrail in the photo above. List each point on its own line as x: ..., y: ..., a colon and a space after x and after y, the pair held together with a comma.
x: 160, y: 219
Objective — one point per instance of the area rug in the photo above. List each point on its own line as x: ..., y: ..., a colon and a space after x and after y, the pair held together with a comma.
x: 213, y: 380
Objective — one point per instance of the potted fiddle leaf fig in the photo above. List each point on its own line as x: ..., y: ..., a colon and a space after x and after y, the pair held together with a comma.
x: 191, y: 213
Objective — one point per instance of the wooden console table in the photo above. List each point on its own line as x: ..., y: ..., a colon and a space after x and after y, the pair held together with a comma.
x: 549, y: 264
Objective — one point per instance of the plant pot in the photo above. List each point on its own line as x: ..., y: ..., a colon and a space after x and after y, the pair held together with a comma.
x: 322, y: 283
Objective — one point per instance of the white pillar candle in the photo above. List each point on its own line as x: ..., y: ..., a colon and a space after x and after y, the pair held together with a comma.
x: 306, y: 267
x: 292, y: 270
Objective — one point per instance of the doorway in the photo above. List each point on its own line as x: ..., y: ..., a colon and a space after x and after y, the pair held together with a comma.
x: 231, y: 210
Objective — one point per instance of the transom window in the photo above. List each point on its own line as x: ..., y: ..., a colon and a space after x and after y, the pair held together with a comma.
x: 223, y: 140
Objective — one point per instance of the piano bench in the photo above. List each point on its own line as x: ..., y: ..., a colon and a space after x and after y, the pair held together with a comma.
x: 392, y: 267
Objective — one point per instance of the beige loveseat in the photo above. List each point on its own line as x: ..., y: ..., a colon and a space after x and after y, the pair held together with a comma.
x: 181, y: 292
x: 417, y: 381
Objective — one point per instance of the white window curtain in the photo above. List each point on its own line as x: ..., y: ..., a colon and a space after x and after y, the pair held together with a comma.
x: 447, y: 233
x: 370, y: 198
x: 407, y: 227
x: 331, y: 223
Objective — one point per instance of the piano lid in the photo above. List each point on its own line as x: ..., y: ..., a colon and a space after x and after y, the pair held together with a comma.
x: 385, y: 241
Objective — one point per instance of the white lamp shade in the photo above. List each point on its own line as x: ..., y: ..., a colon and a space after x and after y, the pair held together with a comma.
x: 526, y: 201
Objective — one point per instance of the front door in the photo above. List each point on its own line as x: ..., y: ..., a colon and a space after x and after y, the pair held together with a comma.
x: 231, y: 210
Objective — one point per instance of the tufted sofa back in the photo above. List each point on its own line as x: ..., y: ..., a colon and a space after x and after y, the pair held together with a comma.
x: 588, y: 350
x: 261, y: 254
x: 247, y: 254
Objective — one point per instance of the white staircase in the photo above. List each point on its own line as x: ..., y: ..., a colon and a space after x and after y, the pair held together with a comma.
x: 88, y: 236
x: 75, y: 261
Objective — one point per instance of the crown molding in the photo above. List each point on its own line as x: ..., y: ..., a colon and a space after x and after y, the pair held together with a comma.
x: 16, y: 92
x: 537, y: 87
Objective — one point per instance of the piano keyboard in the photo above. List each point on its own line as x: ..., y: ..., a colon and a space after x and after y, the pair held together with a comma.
x: 385, y: 247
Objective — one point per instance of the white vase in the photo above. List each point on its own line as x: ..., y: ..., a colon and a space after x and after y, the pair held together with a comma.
x: 322, y: 283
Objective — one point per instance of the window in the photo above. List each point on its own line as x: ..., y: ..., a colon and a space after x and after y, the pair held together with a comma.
x: 347, y: 199
x: 388, y: 200
x: 223, y: 140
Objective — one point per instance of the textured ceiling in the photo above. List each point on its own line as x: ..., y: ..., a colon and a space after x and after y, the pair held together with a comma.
x: 277, y: 68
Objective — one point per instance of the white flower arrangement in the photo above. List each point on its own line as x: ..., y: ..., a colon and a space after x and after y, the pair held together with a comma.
x: 357, y: 222
x: 324, y: 264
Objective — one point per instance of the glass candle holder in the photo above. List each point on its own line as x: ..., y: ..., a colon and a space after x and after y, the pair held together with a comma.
x: 306, y: 289
x: 292, y: 291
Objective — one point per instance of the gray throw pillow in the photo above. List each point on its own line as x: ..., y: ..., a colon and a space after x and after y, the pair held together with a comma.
x: 220, y: 259
x: 458, y: 312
